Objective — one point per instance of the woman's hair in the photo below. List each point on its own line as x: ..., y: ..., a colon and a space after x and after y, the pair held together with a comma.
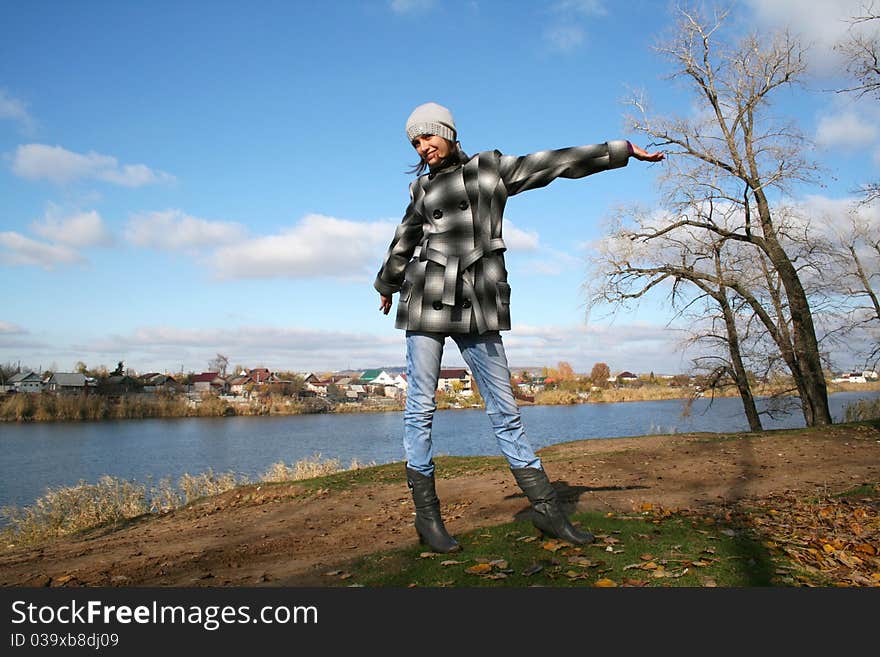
x: 456, y: 156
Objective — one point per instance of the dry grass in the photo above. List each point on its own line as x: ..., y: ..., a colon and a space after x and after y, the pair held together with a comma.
x: 556, y: 397
x: 68, y: 510
x: 308, y: 469
x: 863, y: 409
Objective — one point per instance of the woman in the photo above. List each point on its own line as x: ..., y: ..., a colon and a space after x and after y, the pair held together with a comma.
x: 457, y: 286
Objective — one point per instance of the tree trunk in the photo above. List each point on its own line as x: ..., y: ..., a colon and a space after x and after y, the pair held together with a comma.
x: 739, y: 371
x: 814, y: 394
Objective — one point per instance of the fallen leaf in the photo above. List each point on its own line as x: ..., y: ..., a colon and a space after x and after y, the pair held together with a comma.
x: 500, y: 564
x: 533, y: 570
x: 427, y: 555
x: 450, y: 562
x: 580, y: 561
x: 646, y: 557
x: 605, y: 583
x: 479, y: 569
x: 552, y: 546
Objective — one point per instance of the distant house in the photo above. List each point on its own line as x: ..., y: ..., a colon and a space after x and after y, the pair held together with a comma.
x: 316, y: 384
x: 400, y: 381
x: 119, y: 385
x: 625, y: 377
x: 376, y: 378
x: 26, y: 382
x: 69, y: 383
x: 208, y: 382
x: 155, y: 382
x: 355, y: 392
x: 851, y: 377
x: 367, y: 376
x: 260, y: 375
x: 240, y: 385
x: 448, y: 377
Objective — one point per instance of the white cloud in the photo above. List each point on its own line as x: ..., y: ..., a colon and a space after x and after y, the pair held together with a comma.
x: 8, y: 328
x: 517, y: 239
x: 173, y: 230
x: 564, y: 38
x: 299, y: 349
x: 319, y: 246
x: 21, y: 250
x: 59, y: 165
x: 845, y: 130
x: 638, y: 346
x: 410, y: 6
x: 586, y: 7
x: 81, y: 229
x: 821, y: 23
x: 551, y: 262
x: 15, y: 110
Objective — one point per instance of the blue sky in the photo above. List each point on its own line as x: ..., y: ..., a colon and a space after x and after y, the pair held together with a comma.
x: 179, y: 180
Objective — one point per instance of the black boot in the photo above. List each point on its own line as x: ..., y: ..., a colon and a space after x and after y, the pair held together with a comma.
x: 429, y: 524
x: 548, y: 516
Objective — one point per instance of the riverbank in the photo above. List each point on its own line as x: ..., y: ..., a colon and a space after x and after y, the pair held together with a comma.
x: 48, y: 407
x: 310, y: 533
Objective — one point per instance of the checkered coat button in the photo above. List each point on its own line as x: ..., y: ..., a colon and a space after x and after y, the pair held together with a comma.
x: 463, y: 205
x: 437, y: 305
x: 438, y: 214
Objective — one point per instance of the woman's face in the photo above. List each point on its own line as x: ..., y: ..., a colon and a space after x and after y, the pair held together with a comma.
x: 433, y: 149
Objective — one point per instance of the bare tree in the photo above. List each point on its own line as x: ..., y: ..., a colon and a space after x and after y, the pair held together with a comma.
x: 634, y: 261
x: 218, y: 364
x: 861, y: 52
x: 855, y: 253
x: 734, y: 152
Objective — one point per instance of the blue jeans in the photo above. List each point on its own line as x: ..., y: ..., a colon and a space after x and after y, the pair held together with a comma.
x: 485, y: 356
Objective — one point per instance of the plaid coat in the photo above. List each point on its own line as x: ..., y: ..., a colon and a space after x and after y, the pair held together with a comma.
x: 457, y: 281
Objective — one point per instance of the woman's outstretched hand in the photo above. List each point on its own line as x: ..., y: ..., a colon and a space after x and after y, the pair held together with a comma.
x: 385, y: 304
x: 643, y: 155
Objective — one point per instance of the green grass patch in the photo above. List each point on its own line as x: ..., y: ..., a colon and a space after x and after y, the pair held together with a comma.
x: 864, y: 490
x: 641, y: 551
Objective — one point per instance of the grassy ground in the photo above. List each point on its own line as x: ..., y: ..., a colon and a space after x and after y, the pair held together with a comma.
x: 780, y: 542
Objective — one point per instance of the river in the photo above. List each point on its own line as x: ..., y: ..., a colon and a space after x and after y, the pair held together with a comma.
x: 37, y: 456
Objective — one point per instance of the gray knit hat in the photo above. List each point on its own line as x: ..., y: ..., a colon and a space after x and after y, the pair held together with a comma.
x: 430, y: 119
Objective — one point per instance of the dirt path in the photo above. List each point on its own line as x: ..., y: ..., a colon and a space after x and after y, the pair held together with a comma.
x: 286, y: 535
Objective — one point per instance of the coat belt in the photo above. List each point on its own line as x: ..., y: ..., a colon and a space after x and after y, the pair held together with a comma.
x: 455, y: 266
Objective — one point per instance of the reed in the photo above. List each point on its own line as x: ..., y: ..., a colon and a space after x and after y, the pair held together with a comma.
x: 862, y: 410
x: 68, y: 510
x: 308, y: 468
